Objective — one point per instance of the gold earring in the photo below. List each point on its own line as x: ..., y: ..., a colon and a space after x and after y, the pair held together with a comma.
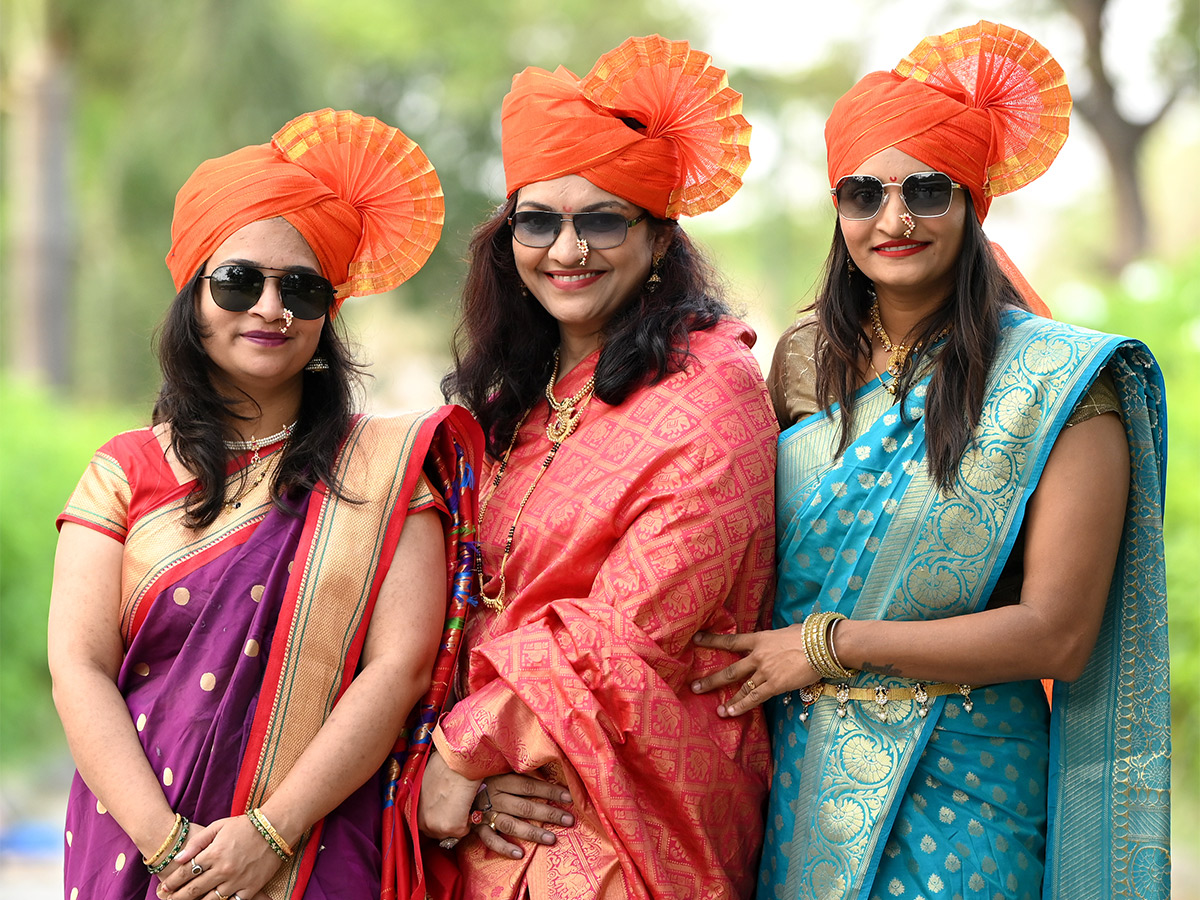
x: 653, y: 282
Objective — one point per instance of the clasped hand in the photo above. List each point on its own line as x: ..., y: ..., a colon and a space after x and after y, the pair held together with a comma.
x: 451, y: 806
x: 773, y: 663
x: 232, y: 858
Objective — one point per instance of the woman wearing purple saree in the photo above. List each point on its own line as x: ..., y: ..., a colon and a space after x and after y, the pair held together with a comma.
x: 250, y: 636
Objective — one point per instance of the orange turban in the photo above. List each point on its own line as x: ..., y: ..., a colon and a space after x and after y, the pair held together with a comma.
x: 652, y: 123
x: 987, y: 105
x: 364, y: 197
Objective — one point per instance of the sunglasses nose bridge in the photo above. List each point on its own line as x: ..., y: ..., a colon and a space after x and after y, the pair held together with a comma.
x: 270, y: 303
x: 565, y: 245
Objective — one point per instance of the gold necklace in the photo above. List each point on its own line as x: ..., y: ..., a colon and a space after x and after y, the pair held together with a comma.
x: 568, y: 411
x: 560, y: 427
x: 901, y: 354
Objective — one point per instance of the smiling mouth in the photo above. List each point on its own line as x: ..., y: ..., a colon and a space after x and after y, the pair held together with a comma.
x: 574, y: 276
x: 893, y: 248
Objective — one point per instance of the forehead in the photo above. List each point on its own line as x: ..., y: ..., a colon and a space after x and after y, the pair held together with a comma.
x: 569, y: 194
x: 269, y: 243
x: 891, y: 164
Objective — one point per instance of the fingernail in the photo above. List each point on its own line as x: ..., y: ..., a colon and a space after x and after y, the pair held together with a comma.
x: 722, y: 712
x: 517, y: 854
x: 568, y: 820
x: 695, y: 687
x: 564, y: 797
x: 547, y: 838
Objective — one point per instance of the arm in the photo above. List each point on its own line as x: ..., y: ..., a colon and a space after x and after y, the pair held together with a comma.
x: 85, y: 651
x: 1073, y: 532
x: 361, y: 730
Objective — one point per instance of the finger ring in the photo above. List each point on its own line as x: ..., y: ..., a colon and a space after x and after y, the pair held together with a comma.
x: 750, y: 685
x: 487, y: 797
x: 448, y: 843
x: 220, y: 896
x: 491, y: 823
x: 197, y: 869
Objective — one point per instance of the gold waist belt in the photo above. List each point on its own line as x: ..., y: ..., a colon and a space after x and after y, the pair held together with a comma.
x: 881, y: 696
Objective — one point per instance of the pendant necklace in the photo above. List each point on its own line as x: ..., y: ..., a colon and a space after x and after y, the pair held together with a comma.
x: 901, y: 354
x: 562, y: 424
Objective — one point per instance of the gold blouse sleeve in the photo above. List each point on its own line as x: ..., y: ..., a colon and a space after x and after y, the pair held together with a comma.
x: 793, y: 377
x: 1100, y: 398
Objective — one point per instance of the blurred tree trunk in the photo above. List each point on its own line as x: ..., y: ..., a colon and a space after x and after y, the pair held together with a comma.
x: 1122, y: 139
x: 39, y: 270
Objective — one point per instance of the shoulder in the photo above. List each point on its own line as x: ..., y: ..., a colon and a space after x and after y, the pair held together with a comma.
x: 724, y: 353
x: 793, y: 378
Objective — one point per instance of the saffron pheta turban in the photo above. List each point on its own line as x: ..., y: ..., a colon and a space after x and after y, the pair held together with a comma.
x: 653, y: 123
x: 360, y: 192
x: 988, y: 105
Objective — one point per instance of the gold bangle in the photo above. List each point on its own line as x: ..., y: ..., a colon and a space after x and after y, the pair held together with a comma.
x: 817, y: 649
x: 166, y: 844
x: 267, y: 830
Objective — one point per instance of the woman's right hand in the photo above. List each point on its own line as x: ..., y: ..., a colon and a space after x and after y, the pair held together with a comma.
x: 511, y: 805
x: 444, y: 804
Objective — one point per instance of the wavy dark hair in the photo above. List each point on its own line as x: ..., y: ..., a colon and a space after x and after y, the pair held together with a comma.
x: 960, y: 370
x: 505, y: 340
x: 202, y: 418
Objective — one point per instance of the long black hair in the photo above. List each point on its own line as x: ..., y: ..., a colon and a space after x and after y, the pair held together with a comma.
x: 201, y: 417
x: 505, y: 340
x: 954, y: 402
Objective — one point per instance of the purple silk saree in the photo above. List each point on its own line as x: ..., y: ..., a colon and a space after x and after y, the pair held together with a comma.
x: 240, y: 638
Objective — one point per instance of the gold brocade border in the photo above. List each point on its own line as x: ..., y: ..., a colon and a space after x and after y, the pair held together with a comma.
x: 935, y: 560
x: 333, y: 590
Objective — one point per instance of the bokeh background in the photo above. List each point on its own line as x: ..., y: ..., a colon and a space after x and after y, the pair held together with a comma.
x: 106, y: 107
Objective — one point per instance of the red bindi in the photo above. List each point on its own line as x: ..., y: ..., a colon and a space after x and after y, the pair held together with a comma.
x: 893, y: 178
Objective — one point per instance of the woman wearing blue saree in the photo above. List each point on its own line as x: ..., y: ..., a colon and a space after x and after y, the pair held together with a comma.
x: 969, y: 499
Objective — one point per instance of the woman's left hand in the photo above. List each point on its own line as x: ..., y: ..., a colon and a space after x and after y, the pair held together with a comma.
x: 774, y: 663
x: 512, y: 804
x: 232, y: 858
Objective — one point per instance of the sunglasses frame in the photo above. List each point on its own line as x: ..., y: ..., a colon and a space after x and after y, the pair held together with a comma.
x: 884, y: 198
x: 563, y: 217
x: 254, y: 292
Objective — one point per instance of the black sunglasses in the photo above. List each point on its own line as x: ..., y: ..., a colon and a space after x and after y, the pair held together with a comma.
x: 926, y: 194
x: 237, y: 288
x: 602, y: 230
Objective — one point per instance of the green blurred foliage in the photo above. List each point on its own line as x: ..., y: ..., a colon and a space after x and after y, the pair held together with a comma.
x: 45, y: 444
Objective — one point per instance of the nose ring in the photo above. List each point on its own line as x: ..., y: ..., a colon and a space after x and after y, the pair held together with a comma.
x: 582, y: 244
x: 908, y: 222
x: 288, y: 316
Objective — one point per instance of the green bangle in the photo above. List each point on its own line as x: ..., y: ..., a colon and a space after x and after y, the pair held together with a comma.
x: 258, y: 820
x: 179, y: 841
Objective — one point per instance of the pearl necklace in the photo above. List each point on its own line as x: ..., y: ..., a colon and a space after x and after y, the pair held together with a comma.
x: 255, y: 444
x: 561, y: 426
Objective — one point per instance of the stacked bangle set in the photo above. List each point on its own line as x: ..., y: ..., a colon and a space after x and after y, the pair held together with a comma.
x: 169, y: 848
x: 817, y: 636
x: 270, y: 835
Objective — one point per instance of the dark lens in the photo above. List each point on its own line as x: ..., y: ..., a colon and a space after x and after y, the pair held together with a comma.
x: 859, y: 196
x: 235, y: 288
x: 927, y: 193
x: 534, y: 228
x: 602, y: 230
x: 307, y: 296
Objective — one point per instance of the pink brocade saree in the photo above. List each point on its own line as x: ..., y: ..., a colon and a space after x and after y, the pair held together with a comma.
x: 654, y: 521
x: 241, y: 637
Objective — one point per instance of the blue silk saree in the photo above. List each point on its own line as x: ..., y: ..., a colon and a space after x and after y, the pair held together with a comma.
x: 998, y: 796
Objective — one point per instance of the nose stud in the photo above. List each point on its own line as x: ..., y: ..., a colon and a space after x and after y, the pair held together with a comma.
x: 908, y: 222
x: 287, y: 319
x: 582, y: 244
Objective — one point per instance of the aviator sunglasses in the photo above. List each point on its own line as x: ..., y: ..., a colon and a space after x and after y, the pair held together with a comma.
x: 601, y: 230
x: 926, y: 194
x: 237, y: 288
